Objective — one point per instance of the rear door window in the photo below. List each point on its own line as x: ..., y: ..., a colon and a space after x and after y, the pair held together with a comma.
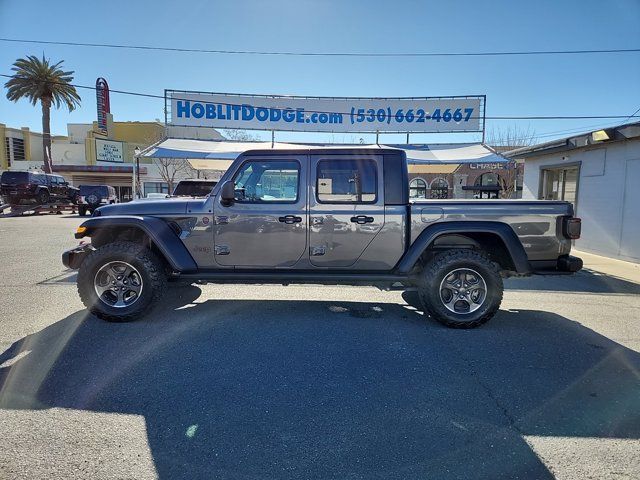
x: 347, y: 181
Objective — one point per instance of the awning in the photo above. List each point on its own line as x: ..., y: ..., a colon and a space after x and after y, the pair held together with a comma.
x: 432, y: 168
x: 97, y: 168
x: 217, y: 155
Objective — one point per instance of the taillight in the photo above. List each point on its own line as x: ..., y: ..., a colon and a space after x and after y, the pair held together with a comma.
x: 572, y: 227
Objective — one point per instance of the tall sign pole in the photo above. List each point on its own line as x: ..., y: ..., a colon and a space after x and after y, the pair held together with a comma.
x: 102, y: 103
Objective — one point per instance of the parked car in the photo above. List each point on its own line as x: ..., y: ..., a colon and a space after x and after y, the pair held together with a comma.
x: 156, y: 195
x: 94, y: 196
x: 20, y: 186
x: 194, y: 188
x: 325, y: 216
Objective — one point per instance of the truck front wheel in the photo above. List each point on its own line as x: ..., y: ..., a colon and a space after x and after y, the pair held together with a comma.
x: 121, y: 281
x: 461, y: 288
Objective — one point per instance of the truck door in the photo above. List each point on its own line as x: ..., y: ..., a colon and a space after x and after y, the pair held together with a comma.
x: 266, y: 226
x: 346, y: 207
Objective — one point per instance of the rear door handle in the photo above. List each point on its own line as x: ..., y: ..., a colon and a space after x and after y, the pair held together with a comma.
x: 362, y: 219
x: 289, y: 219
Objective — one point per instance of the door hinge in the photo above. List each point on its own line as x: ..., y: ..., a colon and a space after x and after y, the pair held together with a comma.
x: 222, y: 250
x: 317, y: 250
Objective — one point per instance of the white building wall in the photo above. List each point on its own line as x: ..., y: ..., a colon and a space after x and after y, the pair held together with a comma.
x: 65, y: 153
x: 602, y: 195
x: 193, y: 133
x: 37, y: 151
x: 78, y: 131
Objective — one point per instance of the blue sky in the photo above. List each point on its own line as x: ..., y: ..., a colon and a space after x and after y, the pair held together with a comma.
x: 531, y: 85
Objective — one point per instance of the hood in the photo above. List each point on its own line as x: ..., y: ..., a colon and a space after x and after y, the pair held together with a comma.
x: 169, y: 206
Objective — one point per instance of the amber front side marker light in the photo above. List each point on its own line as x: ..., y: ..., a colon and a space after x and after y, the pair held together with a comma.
x: 80, y: 230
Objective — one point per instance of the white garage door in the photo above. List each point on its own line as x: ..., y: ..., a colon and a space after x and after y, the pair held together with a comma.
x: 630, y: 241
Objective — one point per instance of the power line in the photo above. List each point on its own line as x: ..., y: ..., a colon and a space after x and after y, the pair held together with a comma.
x: 487, y: 117
x: 633, y: 114
x: 327, y: 54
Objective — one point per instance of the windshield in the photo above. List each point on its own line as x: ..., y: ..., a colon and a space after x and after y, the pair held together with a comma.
x: 194, y: 189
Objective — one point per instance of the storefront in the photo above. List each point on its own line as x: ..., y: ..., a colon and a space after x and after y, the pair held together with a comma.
x: 598, y: 172
x: 464, y: 171
x: 119, y: 177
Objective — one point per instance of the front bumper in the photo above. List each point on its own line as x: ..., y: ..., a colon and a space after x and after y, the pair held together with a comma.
x: 73, y: 258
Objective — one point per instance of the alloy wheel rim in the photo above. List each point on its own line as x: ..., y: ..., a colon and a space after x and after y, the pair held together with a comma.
x: 463, y: 291
x: 118, y: 284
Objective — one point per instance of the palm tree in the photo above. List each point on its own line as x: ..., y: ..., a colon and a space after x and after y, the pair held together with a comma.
x: 38, y: 80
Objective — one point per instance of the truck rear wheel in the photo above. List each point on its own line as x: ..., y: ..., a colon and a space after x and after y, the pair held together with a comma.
x: 121, y: 281
x: 43, y: 197
x: 461, y: 288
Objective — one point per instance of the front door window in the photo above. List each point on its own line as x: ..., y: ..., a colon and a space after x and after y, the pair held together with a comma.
x: 266, y: 182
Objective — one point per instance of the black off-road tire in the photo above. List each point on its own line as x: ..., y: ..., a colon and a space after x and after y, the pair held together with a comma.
x: 146, y: 262
x: 82, y: 210
x: 439, y: 267
x: 43, y: 197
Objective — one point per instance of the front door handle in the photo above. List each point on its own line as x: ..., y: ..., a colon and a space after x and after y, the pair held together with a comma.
x: 289, y: 219
x: 362, y: 219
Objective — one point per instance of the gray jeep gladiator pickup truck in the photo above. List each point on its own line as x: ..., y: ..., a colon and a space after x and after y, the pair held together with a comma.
x: 322, y: 216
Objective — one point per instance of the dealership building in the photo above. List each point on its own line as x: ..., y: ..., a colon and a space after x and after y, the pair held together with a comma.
x: 598, y: 172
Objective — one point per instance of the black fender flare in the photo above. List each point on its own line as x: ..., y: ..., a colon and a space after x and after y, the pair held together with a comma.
x: 160, y: 233
x: 429, y: 234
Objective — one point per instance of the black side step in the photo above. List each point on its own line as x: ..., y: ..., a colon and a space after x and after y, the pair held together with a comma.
x: 285, y: 277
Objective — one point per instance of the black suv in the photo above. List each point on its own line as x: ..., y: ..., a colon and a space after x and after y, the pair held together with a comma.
x: 42, y: 188
x: 94, y: 196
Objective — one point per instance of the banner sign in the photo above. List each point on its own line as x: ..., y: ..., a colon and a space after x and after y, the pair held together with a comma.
x: 109, y: 151
x: 325, y: 114
x: 102, y: 101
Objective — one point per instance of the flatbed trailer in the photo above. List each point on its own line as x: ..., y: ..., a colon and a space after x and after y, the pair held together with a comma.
x: 7, y: 210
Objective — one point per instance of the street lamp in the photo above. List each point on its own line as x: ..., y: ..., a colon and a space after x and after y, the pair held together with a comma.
x: 136, y: 173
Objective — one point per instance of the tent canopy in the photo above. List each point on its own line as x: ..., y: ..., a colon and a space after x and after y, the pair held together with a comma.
x: 217, y: 155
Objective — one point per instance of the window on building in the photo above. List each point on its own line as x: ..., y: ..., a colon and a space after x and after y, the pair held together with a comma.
x: 418, y: 188
x: 155, y: 187
x: 347, y: 181
x: 487, y: 185
x: 267, y: 181
x: 14, y: 148
x: 439, y: 188
x: 560, y: 184
x: 7, y: 143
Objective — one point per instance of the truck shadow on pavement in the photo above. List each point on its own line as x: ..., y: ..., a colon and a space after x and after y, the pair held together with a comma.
x: 316, y: 389
x: 587, y: 281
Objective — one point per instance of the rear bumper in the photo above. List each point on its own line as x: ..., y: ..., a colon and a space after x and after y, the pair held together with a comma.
x: 565, y: 264
x: 73, y: 258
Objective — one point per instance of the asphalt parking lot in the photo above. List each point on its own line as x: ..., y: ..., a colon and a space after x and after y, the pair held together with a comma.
x: 246, y: 382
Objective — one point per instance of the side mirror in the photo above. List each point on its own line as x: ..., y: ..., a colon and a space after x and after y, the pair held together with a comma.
x: 227, y: 193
